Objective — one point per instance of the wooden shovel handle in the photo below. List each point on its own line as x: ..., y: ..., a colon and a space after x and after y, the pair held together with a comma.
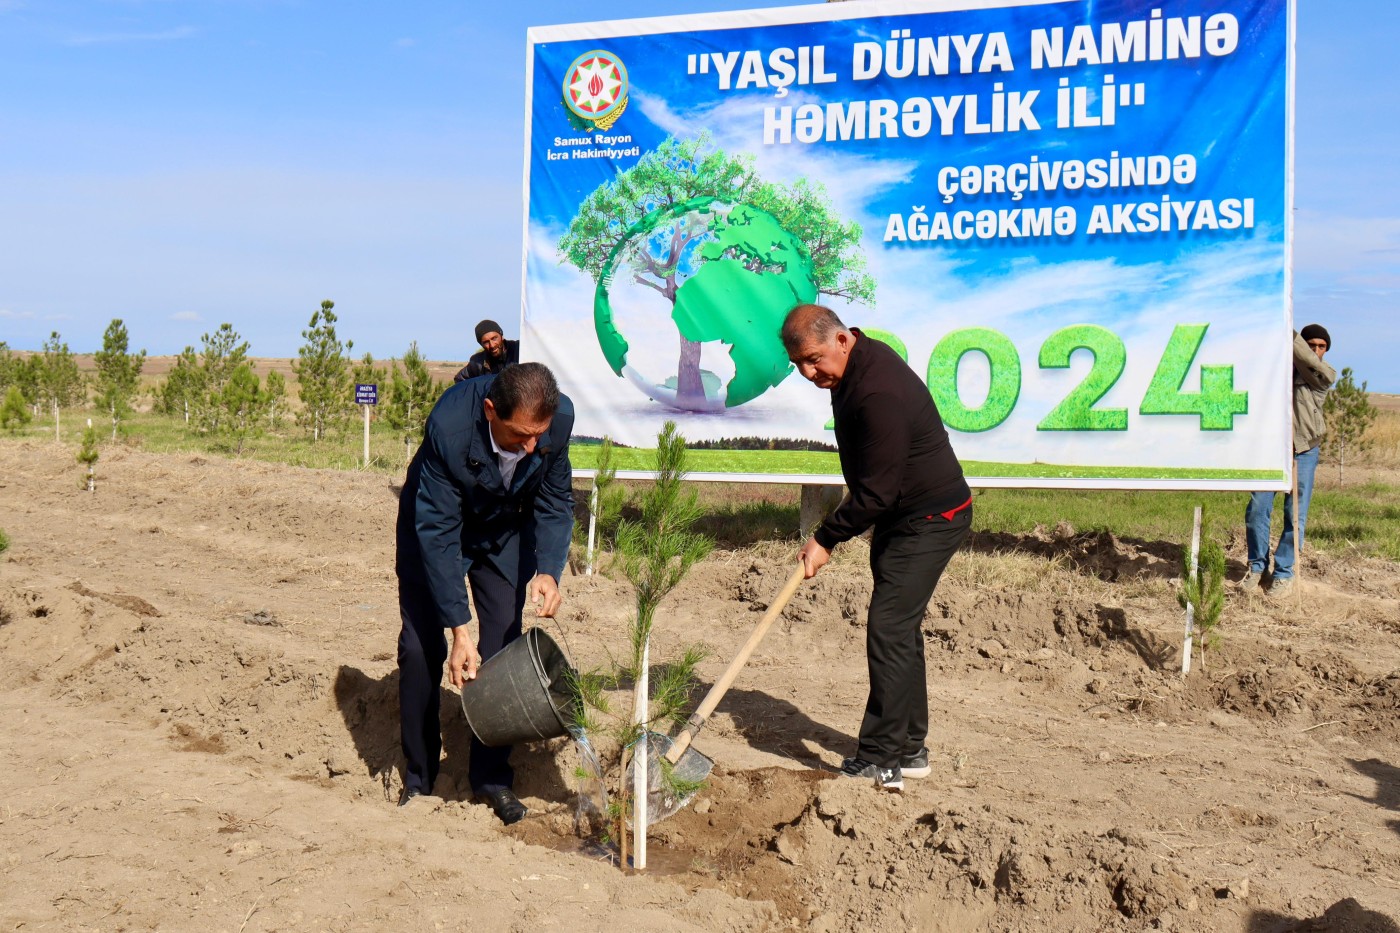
x: 726, y: 680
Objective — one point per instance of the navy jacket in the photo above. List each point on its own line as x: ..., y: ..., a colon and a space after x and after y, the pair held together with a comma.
x: 455, y: 511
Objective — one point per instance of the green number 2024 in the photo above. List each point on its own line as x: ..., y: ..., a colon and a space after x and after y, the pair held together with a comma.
x: 1216, y: 404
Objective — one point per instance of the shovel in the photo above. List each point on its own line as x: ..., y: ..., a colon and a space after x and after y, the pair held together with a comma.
x: 687, y: 766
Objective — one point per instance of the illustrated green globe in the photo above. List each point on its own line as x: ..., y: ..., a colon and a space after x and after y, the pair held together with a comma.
x: 703, y: 283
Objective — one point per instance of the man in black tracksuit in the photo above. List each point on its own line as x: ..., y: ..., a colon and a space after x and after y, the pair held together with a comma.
x: 904, y: 481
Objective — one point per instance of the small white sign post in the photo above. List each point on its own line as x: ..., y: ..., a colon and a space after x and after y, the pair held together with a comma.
x: 592, y: 526
x: 366, y: 396
x: 1186, y: 644
x: 641, y: 764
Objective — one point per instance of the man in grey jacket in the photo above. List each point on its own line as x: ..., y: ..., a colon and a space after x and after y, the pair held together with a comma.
x: 1311, y: 379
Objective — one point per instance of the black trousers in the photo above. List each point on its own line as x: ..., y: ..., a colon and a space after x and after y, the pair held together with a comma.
x: 423, y: 648
x: 906, y: 560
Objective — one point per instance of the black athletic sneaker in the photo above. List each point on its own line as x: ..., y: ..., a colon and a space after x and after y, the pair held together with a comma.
x: 888, y: 778
x: 915, y: 765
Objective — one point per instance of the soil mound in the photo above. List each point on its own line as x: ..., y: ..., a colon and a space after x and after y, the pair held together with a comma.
x: 197, y: 668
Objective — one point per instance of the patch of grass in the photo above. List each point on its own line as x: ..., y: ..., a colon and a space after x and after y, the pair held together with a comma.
x: 1358, y: 519
x: 289, y: 444
x: 1382, y: 440
x: 810, y: 462
x: 741, y: 524
x: 1150, y: 515
x: 1005, y: 571
x: 818, y: 463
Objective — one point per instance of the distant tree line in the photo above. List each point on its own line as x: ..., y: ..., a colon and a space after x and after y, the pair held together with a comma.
x: 215, y: 391
x: 761, y: 443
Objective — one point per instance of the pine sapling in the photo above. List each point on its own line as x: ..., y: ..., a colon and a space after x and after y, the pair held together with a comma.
x: 654, y: 553
x: 1348, y: 413
x: 87, y: 455
x: 605, y: 505
x: 1204, y: 593
x: 118, y: 373
x: 14, y: 413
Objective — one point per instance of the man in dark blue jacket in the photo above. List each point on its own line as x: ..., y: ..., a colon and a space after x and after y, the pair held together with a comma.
x: 488, y: 499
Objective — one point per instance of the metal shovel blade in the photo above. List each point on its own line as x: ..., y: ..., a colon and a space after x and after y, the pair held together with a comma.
x: 690, y: 770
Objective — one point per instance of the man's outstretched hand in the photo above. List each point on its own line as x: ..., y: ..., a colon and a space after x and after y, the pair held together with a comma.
x: 463, y: 660
x: 544, y: 595
x: 813, y: 557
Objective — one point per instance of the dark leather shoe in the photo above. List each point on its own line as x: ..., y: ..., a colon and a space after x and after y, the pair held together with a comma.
x: 408, y: 796
x: 505, y: 804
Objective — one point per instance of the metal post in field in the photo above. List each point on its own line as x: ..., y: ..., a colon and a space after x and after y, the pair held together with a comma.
x: 366, y: 396
x: 366, y: 461
x: 817, y: 503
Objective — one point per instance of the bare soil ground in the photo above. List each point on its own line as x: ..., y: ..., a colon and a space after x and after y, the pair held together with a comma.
x: 198, y: 722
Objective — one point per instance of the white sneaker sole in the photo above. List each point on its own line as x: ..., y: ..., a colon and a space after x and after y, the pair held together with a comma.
x: 923, y: 772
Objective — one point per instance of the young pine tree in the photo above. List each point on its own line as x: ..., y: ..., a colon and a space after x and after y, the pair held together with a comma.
x: 323, y: 374
x: 275, y: 392
x: 29, y: 376
x: 366, y: 373
x: 1204, y: 593
x: 223, y: 352
x: 118, y: 373
x: 244, y: 406
x: 61, y: 383
x: 14, y: 411
x: 87, y: 455
x: 654, y: 553
x: 8, y: 362
x: 1348, y: 412
x: 605, y: 501
x: 180, y: 394
x: 412, y: 393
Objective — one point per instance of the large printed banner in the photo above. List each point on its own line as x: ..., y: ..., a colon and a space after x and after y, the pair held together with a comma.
x: 1072, y: 219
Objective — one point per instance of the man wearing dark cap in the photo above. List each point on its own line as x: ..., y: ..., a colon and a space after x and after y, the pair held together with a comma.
x: 496, y: 352
x: 1311, y: 379
x: 906, y: 483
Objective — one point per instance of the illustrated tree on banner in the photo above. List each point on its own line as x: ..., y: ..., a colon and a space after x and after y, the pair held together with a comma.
x: 727, y: 253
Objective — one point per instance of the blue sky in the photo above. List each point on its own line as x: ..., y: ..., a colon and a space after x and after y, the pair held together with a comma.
x: 180, y: 163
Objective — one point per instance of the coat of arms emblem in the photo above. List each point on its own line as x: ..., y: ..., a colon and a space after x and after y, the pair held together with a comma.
x: 595, y: 89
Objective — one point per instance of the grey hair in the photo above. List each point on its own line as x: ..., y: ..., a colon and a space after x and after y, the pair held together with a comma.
x: 809, y: 322
x: 529, y: 387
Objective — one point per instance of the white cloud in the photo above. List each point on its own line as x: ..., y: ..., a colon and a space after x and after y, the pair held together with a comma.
x: 16, y: 315
x: 118, y: 38
x: 184, y: 316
